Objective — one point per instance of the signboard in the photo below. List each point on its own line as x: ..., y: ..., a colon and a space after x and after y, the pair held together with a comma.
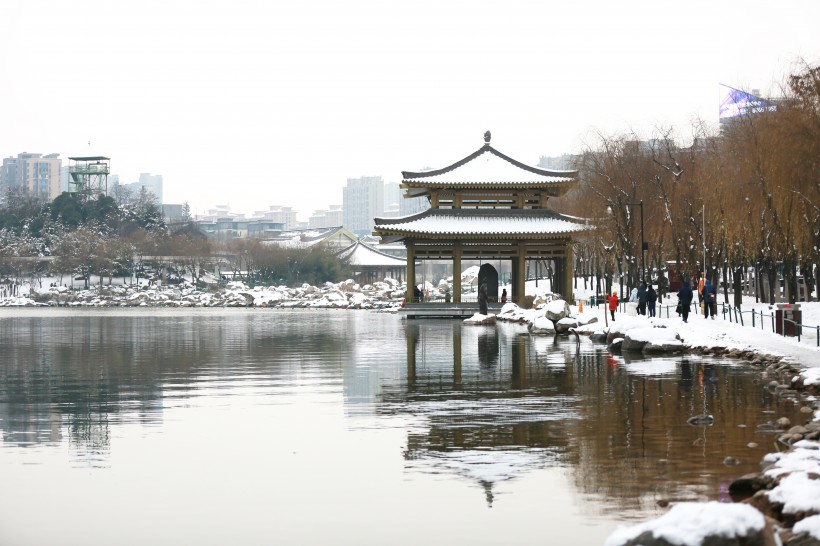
x: 734, y: 103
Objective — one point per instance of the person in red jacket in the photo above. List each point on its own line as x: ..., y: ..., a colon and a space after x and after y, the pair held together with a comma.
x: 613, y: 304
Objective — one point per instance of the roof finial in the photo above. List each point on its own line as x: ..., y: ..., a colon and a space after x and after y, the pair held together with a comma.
x: 487, y: 137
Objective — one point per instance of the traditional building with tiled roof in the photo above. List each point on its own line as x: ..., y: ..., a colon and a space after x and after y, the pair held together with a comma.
x: 487, y: 206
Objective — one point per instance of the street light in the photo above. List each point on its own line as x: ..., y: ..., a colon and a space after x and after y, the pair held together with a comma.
x: 644, y: 244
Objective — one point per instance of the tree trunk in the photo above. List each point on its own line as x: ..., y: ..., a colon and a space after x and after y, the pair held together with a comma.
x: 737, y: 276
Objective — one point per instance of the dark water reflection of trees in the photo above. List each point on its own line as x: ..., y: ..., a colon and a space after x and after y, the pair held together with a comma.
x: 487, y: 404
x: 79, y: 374
x: 618, y: 423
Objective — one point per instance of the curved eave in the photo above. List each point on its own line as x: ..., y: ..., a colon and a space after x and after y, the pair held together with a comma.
x: 497, y: 185
x: 407, y: 175
x: 399, y: 235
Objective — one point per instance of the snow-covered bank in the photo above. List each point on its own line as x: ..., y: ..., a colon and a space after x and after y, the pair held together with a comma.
x: 386, y: 296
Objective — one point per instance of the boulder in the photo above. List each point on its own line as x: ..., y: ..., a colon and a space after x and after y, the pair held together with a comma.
x: 564, y: 325
x: 702, y: 524
x: 541, y: 326
x: 630, y: 344
x: 556, y: 310
x: 479, y: 319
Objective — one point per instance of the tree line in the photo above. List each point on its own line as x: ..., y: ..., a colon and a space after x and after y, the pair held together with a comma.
x: 746, y: 195
x: 126, y: 237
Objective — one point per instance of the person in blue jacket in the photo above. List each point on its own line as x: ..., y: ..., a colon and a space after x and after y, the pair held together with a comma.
x: 642, y: 298
x: 685, y: 298
x: 709, y: 300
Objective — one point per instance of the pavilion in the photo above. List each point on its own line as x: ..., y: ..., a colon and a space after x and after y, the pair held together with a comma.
x: 488, y: 206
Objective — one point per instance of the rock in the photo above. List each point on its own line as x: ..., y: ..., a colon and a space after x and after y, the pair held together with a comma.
x: 664, y: 347
x: 564, y: 325
x: 599, y: 336
x: 745, y: 487
x: 784, y: 422
x: 731, y: 461
x: 615, y: 345
x: 630, y: 344
x: 541, y: 326
x: 694, y: 519
x: 481, y: 320
x: 702, y: 420
x: 556, y: 310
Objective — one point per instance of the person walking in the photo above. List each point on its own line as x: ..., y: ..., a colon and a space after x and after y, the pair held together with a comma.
x: 685, y: 296
x: 642, y: 299
x: 709, y: 300
x: 613, y: 304
x: 701, y: 283
x: 651, y: 300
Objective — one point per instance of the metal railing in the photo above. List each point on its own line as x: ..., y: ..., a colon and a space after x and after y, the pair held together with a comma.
x: 734, y: 314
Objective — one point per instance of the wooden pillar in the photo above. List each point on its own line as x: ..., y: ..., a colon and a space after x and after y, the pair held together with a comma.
x: 411, y: 271
x: 411, y: 335
x: 457, y: 356
x: 568, y: 273
x: 519, y: 275
x: 457, y: 272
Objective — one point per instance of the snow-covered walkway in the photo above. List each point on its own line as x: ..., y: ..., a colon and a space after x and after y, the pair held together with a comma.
x: 720, y: 332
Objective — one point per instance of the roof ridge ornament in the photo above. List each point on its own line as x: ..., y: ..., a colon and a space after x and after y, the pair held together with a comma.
x: 487, y: 137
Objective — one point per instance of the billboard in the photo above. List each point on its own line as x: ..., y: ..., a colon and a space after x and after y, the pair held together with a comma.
x: 734, y: 103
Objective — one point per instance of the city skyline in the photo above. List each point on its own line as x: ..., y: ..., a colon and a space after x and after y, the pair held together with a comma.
x: 279, y: 104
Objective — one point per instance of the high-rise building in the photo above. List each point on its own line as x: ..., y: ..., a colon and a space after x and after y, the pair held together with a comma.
x: 38, y: 174
x: 392, y: 194
x: 8, y: 175
x: 152, y: 183
x: 278, y: 215
x: 362, y: 201
x: 332, y: 217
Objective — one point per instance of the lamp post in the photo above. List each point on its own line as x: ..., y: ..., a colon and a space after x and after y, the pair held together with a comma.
x: 644, y: 245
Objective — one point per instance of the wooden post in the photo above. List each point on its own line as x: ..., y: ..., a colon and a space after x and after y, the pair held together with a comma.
x: 457, y: 272
x: 519, y: 274
x: 411, y: 271
x: 568, y: 274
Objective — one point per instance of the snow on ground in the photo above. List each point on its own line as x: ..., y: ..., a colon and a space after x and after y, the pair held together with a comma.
x: 702, y: 332
x: 688, y: 524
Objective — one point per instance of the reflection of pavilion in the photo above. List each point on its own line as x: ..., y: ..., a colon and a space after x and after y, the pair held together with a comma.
x: 495, y: 411
x: 487, y: 206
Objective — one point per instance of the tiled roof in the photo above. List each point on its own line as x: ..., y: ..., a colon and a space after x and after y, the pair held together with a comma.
x: 488, y: 166
x: 361, y: 254
x: 481, y: 222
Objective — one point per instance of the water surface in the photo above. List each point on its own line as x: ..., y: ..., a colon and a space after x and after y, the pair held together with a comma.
x: 215, y: 426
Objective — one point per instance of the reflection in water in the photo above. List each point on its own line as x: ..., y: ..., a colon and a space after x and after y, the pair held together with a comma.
x: 76, y: 374
x: 618, y: 421
x: 296, y: 396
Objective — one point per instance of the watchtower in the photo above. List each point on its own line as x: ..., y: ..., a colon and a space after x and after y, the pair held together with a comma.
x: 89, y: 175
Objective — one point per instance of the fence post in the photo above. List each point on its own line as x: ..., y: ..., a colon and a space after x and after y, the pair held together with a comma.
x: 741, y: 318
x: 753, y: 318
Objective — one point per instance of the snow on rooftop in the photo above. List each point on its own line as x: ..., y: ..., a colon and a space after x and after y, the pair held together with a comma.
x: 466, y: 223
x: 361, y: 254
x: 489, y: 168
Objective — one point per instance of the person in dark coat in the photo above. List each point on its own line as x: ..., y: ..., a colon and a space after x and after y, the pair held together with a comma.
x: 651, y: 299
x: 482, y: 298
x: 642, y: 299
x: 709, y: 300
x: 685, y: 295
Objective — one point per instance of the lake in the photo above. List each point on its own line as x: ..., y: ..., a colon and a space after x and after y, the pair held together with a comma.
x: 235, y: 426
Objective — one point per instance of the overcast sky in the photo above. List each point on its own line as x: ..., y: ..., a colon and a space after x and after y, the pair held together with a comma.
x: 258, y: 103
